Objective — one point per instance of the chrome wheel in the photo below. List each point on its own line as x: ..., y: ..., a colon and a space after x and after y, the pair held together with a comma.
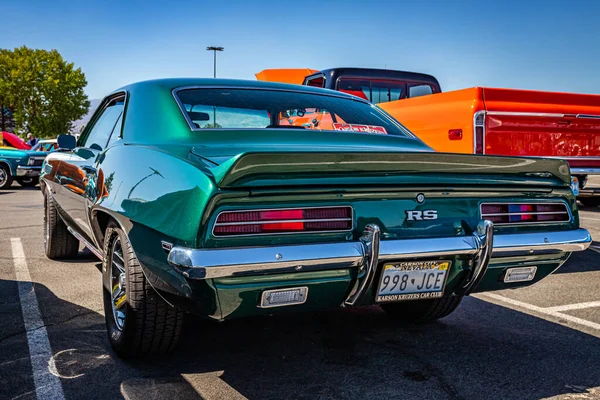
x: 118, y: 283
x: 3, y: 176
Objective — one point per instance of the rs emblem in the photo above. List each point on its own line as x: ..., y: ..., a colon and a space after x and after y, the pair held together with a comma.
x: 414, y: 215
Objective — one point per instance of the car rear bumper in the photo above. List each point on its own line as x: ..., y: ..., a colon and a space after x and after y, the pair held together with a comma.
x: 28, y: 171
x: 366, y: 253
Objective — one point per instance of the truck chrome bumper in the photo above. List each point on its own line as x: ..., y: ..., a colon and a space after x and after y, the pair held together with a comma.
x: 369, y: 251
x: 28, y: 171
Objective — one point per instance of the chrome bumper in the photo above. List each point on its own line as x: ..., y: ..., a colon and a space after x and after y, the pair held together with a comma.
x: 28, y: 171
x: 369, y: 251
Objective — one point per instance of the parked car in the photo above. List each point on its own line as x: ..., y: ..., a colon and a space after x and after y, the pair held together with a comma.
x: 11, y: 140
x: 46, y: 145
x: 256, y: 217
x: 22, y: 166
x: 477, y: 120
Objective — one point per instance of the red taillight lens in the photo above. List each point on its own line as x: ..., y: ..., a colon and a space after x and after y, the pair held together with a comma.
x: 507, y: 213
x: 231, y: 223
x: 455, y: 134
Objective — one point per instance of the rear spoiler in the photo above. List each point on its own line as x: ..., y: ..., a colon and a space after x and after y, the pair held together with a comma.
x: 278, y: 169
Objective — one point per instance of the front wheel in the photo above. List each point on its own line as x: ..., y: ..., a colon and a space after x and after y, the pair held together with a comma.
x: 6, y: 177
x: 28, y: 182
x: 422, y: 310
x: 139, y: 322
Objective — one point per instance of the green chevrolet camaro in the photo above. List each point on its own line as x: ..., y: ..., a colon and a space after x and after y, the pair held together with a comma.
x: 233, y: 198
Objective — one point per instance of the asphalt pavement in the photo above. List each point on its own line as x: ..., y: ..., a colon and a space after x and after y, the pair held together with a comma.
x: 533, y: 343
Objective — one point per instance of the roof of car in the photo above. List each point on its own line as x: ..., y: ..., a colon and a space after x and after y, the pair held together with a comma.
x: 175, y: 83
x: 376, y: 73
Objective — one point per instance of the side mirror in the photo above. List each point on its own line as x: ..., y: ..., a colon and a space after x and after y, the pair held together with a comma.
x: 66, y: 142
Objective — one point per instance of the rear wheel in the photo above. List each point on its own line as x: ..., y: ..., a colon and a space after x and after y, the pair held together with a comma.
x: 422, y: 310
x: 5, y: 177
x: 58, y: 241
x: 28, y: 182
x: 139, y: 322
x: 590, y: 201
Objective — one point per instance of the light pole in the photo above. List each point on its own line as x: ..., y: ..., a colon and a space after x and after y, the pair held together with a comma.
x: 215, y: 49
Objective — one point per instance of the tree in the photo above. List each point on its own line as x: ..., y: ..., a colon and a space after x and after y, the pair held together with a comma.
x: 7, y: 121
x: 44, y: 91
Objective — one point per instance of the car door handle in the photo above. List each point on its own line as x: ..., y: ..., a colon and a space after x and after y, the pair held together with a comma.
x: 88, y: 169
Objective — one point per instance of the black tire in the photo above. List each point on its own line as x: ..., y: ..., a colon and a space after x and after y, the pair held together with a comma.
x: 28, y: 182
x: 422, y: 310
x: 147, y: 324
x: 6, y: 177
x: 590, y: 201
x: 58, y: 241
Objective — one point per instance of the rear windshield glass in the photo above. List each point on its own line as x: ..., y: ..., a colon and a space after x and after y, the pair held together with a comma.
x: 376, y: 91
x: 214, y: 108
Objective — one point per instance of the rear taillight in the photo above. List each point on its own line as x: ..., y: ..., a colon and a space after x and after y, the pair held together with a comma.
x: 523, y: 213
x: 479, y: 127
x: 296, y: 220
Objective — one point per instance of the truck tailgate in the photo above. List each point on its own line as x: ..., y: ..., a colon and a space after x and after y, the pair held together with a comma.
x: 533, y: 123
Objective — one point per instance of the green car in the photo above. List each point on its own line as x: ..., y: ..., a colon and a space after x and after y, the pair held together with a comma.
x: 229, y: 199
x: 22, y: 166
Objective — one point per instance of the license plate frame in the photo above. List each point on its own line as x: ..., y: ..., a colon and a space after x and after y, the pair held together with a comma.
x: 406, y: 267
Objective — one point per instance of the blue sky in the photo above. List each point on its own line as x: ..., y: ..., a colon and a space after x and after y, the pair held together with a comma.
x: 535, y: 44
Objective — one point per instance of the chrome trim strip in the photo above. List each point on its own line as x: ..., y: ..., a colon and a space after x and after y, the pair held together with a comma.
x: 541, y: 114
x: 586, y: 171
x: 228, y: 262
x: 587, y: 116
x: 281, y: 221
x: 275, y: 222
x: 87, y: 244
x: 475, y: 125
x: 526, y: 114
x: 370, y: 242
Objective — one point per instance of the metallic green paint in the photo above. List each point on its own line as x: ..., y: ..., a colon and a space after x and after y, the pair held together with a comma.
x: 164, y: 182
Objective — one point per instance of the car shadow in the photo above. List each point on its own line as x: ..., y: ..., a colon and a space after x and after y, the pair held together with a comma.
x: 480, y: 351
x: 582, y: 261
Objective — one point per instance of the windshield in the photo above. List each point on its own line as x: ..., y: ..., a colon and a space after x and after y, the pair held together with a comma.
x: 214, y: 108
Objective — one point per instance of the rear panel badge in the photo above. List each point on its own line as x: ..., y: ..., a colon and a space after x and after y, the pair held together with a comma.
x: 417, y: 215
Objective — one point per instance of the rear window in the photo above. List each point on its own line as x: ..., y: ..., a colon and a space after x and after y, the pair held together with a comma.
x: 375, y: 91
x: 234, y: 108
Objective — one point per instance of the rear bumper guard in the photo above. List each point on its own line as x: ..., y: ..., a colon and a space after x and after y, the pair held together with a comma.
x: 369, y: 251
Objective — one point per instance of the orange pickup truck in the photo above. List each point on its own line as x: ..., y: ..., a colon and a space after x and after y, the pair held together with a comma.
x: 476, y: 120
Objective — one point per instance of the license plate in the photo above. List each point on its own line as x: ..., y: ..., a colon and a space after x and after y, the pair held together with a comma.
x: 413, y: 280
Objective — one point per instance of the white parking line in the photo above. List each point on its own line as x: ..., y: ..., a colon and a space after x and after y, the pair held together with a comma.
x: 47, y: 386
x: 589, y: 218
x: 542, y: 310
x: 576, y: 306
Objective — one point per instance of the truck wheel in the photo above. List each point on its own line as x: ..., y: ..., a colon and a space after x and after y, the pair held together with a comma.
x: 28, y: 182
x: 58, y: 241
x: 5, y: 177
x: 590, y: 201
x: 139, y: 322
x: 422, y: 310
